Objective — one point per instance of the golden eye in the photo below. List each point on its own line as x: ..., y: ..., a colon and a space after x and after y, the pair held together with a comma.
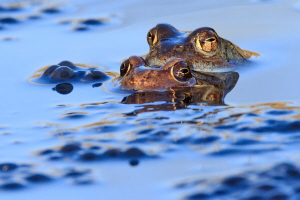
x: 206, y: 42
x: 152, y: 37
x: 125, y: 68
x: 182, y: 72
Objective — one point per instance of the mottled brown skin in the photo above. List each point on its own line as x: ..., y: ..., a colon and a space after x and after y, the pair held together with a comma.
x: 203, y: 49
x: 135, y: 76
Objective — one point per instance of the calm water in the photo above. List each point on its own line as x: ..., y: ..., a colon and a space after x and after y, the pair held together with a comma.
x: 91, y: 143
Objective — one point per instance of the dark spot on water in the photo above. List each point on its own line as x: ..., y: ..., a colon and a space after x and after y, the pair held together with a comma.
x: 10, y: 8
x: 140, y: 140
x: 133, y: 162
x: 92, y: 22
x: 205, y: 140
x: 83, y: 181
x: 50, y: 10
x: 255, y: 197
x: 146, y: 131
x: 46, y: 152
x: 266, y: 187
x: 235, y: 181
x: 95, y: 147
x: 97, y: 85
x: 134, y: 152
x: 221, y: 192
x: 279, y: 112
x: 80, y: 28
x: 11, y: 186
x: 38, y: 178
x: 198, y: 196
x: 231, y: 127
x: 55, y: 157
x: 183, y: 140
x: 64, y: 88
x: 279, y: 197
x: 275, y: 126
x: 161, y: 134
x: 9, y: 20
x: 283, y: 171
x: 112, y: 153
x: 224, y: 152
x: 88, y: 156
x: 8, y: 167
x: 245, y: 142
x: 76, y: 173
x: 70, y: 148
x: 33, y: 17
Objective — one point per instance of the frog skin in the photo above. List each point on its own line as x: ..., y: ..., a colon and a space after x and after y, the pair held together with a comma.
x: 202, y: 48
x: 136, y: 75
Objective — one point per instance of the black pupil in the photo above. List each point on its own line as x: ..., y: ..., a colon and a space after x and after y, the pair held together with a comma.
x: 123, y: 66
x: 210, y: 40
x: 185, y: 71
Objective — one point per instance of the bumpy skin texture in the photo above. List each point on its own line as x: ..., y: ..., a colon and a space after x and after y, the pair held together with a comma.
x: 203, y: 49
x: 141, y: 78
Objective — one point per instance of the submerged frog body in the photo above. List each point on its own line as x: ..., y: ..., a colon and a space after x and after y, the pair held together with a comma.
x: 202, y: 48
x: 136, y: 75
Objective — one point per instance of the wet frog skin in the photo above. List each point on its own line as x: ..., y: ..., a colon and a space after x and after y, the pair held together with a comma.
x: 134, y: 75
x: 202, y: 48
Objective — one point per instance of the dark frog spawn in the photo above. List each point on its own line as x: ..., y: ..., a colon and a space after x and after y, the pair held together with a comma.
x: 67, y: 71
x: 173, y: 82
x: 202, y: 48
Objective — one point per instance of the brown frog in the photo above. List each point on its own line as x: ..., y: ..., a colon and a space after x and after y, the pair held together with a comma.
x: 202, y: 48
x: 136, y: 75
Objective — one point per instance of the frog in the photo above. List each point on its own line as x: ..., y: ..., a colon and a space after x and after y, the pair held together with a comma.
x: 202, y: 48
x: 138, y: 76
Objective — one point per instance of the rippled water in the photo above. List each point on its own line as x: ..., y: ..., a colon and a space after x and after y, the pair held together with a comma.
x: 101, y: 142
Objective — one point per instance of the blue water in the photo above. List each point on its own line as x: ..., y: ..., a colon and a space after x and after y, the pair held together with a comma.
x: 154, y: 150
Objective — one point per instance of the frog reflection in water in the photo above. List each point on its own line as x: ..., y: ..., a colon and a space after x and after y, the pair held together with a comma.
x: 173, y: 82
x: 203, y: 49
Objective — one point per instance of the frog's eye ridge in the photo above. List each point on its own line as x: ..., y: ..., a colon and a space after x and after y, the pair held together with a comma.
x: 125, y: 68
x: 182, y: 71
x: 152, y: 37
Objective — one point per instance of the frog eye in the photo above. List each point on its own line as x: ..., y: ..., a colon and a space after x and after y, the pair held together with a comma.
x: 125, y: 68
x: 207, y: 42
x: 182, y: 72
x: 152, y: 37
